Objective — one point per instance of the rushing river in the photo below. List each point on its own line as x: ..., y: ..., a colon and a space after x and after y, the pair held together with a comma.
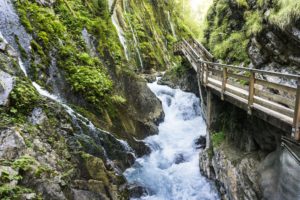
x: 171, y: 171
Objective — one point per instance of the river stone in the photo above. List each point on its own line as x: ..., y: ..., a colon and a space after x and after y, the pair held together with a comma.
x: 12, y: 144
x: 6, y: 85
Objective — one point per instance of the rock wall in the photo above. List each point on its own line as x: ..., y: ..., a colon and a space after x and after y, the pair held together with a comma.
x: 58, y: 149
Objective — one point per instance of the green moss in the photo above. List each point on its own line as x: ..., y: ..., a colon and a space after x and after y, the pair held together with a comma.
x: 253, y: 22
x: 242, y: 3
x: 91, y: 82
x: 234, y: 47
x: 217, y: 139
x: 24, y: 163
x: 8, y: 192
x: 285, y: 13
x: 23, y: 98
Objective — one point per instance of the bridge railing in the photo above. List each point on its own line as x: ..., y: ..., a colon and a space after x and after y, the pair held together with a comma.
x: 256, y: 88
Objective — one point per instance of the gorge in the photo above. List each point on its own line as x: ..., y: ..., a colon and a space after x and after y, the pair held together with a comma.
x: 95, y: 102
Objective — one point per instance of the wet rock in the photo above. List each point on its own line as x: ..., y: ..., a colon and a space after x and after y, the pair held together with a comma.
x: 145, y: 108
x: 235, y: 172
x: 3, y: 43
x: 255, y: 54
x: 136, y: 191
x: 12, y: 144
x: 6, y: 85
x: 187, y: 81
x: 201, y: 142
x: 1, y: 87
x: 150, y: 78
x: 89, y: 41
x: 50, y: 190
x: 37, y: 116
x: 86, y: 195
x: 179, y: 159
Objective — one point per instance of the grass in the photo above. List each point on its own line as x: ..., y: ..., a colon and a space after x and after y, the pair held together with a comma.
x: 285, y: 13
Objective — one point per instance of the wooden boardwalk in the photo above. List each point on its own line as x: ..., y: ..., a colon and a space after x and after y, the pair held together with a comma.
x: 249, y: 89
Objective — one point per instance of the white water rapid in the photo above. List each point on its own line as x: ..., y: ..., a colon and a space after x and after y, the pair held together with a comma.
x: 171, y: 171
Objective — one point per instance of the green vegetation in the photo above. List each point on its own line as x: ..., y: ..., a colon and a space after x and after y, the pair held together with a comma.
x: 228, y: 30
x: 253, y: 22
x: 242, y: 3
x: 60, y: 28
x: 285, y: 13
x: 218, y: 138
x: 23, y: 98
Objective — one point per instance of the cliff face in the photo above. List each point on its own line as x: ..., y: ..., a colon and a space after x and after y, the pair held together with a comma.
x: 261, y: 34
x: 246, y: 153
x: 67, y: 73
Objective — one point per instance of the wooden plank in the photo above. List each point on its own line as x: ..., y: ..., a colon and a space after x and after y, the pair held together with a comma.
x: 238, y: 76
x: 251, y: 92
x: 276, y: 98
x: 214, y: 70
x: 274, y: 106
x: 273, y: 113
x: 296, y: 120
x: 277, y: 86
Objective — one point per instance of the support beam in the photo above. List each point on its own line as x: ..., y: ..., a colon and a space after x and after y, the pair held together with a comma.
x: 208, y: 118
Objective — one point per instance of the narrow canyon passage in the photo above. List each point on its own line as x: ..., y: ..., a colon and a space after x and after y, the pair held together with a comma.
x: 172, y: 171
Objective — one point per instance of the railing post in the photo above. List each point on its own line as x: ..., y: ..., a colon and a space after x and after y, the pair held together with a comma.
x: 251, y: 92
x: 206, y: 74
x: 202, y: 73
x: 296, y: 122
x: 224, y: 82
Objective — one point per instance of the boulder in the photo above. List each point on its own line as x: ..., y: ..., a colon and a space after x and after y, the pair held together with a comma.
x: 6, y: 85
x: 37, y: 116
x: 12, y: 144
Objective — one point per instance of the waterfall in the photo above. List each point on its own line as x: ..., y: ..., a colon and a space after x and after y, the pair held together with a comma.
x: 172, y: 171
x: 171, y: 24
x: 136, y: 45
x: 7, y: 34
x: 120, y: 31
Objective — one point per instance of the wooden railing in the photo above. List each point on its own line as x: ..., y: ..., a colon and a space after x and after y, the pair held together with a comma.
x: 254, y: 88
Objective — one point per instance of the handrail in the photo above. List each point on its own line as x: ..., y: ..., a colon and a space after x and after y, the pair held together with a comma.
x: 208, y: 71
x: 282, y: 75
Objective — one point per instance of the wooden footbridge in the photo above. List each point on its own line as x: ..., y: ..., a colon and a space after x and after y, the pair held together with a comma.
x: 250, y: 89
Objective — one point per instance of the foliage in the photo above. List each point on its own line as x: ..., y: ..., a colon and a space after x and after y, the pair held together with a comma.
x: 285, y: 13
x: 91, y: 82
